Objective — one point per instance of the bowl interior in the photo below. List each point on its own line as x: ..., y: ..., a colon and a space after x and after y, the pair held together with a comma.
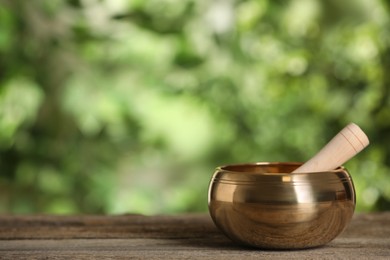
x: 262, y: 167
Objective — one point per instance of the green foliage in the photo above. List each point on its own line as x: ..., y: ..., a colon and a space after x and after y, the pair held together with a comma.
x: 113, y: 106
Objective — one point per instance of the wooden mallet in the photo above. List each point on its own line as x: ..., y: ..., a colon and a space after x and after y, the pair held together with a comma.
x: 346, y: 144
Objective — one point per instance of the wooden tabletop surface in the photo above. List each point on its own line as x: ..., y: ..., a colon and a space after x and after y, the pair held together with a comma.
x: 169, y: 237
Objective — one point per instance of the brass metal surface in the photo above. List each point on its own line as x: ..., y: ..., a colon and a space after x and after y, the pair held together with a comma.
x: 265, y: 206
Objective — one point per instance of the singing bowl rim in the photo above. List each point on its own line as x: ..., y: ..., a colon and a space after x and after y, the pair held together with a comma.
x: 246, y: 173
x: 226, y: 168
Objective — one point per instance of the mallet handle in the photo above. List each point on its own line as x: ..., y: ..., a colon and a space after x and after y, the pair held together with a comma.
x: 347, y: 143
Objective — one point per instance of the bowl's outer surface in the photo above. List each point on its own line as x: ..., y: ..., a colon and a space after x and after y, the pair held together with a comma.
x: 262, y: 205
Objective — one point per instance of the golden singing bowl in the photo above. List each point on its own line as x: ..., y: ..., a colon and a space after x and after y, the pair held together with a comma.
x: 263, y: 205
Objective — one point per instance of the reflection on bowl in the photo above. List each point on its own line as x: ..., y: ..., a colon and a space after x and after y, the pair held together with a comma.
x: 265, y: 206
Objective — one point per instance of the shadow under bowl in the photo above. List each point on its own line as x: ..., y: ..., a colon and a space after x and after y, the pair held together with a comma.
x: 263, y: 205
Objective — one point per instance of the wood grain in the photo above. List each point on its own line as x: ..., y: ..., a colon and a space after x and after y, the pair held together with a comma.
x: 168, y: 237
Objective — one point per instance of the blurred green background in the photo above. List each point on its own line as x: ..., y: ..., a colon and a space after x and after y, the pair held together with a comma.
x: 117, y: 106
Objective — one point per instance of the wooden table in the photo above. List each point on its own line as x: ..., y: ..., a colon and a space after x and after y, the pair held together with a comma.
x: 168, y: 237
